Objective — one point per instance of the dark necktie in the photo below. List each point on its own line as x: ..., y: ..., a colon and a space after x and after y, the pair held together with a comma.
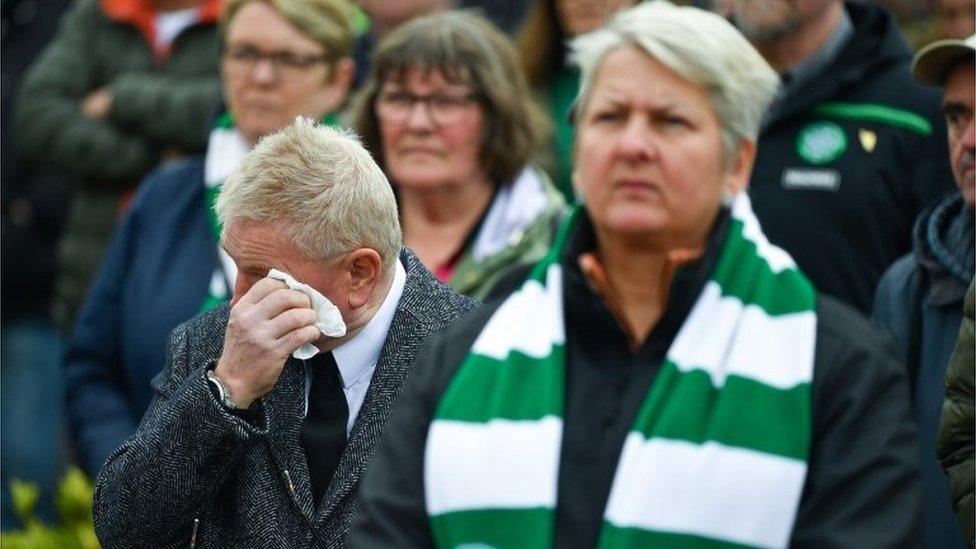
x: 324, y: 429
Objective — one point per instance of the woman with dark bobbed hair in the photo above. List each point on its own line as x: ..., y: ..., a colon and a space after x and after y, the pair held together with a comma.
x: 448, y: 116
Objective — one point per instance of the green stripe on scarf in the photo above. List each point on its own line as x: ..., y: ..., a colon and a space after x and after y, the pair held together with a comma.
x: 634, y: 537
x: 719, y: 415
x: 481, y: 371
x: 739, y: 267
x: 717, y: 453
x: 522, y: 528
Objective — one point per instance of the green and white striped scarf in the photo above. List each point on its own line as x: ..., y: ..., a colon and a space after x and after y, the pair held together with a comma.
x: 226, y: 149
x: 717, y: 455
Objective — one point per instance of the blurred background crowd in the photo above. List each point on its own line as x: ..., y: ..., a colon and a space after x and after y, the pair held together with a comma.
x: 121, y: 118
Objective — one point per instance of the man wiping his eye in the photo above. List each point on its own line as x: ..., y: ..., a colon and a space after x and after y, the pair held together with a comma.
x: 268, y: 410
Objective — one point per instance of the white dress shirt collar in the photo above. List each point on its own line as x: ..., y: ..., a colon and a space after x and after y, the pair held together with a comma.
x: 357, y: 357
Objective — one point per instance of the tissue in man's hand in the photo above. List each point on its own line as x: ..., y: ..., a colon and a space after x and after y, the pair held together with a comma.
x: 329, y: 318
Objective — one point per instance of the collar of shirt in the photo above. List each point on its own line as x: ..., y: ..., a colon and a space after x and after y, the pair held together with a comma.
x: 357, y: 357
x: 813, y: 66
x: 797, y: 76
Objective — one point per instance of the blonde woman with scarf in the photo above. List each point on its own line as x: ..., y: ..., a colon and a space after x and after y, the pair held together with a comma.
x: 665, y: 377
x: 279, y: 59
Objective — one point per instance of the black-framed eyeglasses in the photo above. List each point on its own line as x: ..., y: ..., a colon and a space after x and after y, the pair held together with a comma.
x: 244, y: 57
x: 395, y: 106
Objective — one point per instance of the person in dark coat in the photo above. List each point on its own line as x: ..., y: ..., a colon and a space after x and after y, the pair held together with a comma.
x: 123, y: 86
x: 851, y: 149
x: 920, y: 299
x: 665, y: 377
x: 956, y: 429
x: 267, y: 412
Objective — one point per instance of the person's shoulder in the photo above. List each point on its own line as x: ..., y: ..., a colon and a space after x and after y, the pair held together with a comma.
x: 842, y: 324
x: 896, y: 290
x: 171, y: 182
x: 454, y: 342
x: 849, y: 344
x: 194, y: 342
x: 435, y: 304
x: 899, y: 277
x: 207, y: 326
x: 90, y: 9
x: 886, y: 81
x: 894, y: 85
x: 86, y: 16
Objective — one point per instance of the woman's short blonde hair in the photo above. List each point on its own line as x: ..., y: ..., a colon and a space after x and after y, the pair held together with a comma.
x: 702, y: 48
x: 467, y: 49
x: 320, y: 188
x: 328, y: 22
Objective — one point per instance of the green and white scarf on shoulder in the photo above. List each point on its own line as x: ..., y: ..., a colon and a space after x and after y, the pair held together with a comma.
x: 226, y: 149
x: 717, y: 455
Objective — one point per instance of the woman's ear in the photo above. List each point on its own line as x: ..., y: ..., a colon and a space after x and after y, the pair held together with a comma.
x: 339, y: 82
x: 737, y: 178
x: 364, y: 269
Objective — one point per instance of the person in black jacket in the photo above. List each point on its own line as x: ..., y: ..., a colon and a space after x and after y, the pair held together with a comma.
x: 920, y: 298
x: 665, y: 377
x: 852, y: 148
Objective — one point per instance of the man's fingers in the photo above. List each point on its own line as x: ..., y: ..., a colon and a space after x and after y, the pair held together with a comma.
x: 296, y: 338
x: 281, y: 300
x: 260, y: 290
x: 291, y: 320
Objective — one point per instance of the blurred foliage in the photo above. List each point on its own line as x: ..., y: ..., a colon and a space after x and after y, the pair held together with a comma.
x: 74, y: 504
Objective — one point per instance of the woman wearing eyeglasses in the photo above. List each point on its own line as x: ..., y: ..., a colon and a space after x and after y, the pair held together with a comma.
x: 447, y: 114
x: 280, y: 59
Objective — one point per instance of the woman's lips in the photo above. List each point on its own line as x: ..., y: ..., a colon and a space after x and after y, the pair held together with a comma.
x: 420, y: 151
x: 635, y: 185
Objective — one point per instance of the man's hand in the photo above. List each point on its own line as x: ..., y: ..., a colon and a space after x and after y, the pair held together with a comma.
x: 97, y: 104
x: 268, y: 323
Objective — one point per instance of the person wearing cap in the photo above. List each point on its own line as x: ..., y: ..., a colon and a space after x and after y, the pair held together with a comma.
x: 920, y: 298
x: 851, y: 150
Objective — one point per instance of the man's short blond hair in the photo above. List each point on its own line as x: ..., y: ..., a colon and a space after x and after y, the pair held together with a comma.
x: 320, y: 188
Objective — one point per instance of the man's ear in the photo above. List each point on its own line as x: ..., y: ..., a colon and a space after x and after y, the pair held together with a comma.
x: 737, y: 177
x: 364, y: 269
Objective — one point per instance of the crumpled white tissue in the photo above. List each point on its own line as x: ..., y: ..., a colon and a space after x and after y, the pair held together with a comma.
x: 329, y: 322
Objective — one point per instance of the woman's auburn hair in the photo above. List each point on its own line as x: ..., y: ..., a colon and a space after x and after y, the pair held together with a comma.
x: 465, y: 48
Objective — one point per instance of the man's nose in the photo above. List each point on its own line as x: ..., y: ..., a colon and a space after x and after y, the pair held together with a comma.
x: 969, y: 135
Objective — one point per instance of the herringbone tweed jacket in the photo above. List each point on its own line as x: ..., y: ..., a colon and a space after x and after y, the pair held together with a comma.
x: 195, y: 474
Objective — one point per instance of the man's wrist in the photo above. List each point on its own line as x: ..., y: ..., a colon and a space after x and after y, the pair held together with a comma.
x: 223, y: 392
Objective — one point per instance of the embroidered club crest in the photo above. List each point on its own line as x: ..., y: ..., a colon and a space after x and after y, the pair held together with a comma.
x: 821, y: 142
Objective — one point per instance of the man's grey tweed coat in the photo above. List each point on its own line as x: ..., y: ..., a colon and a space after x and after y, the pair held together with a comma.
x: 196, y: 473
